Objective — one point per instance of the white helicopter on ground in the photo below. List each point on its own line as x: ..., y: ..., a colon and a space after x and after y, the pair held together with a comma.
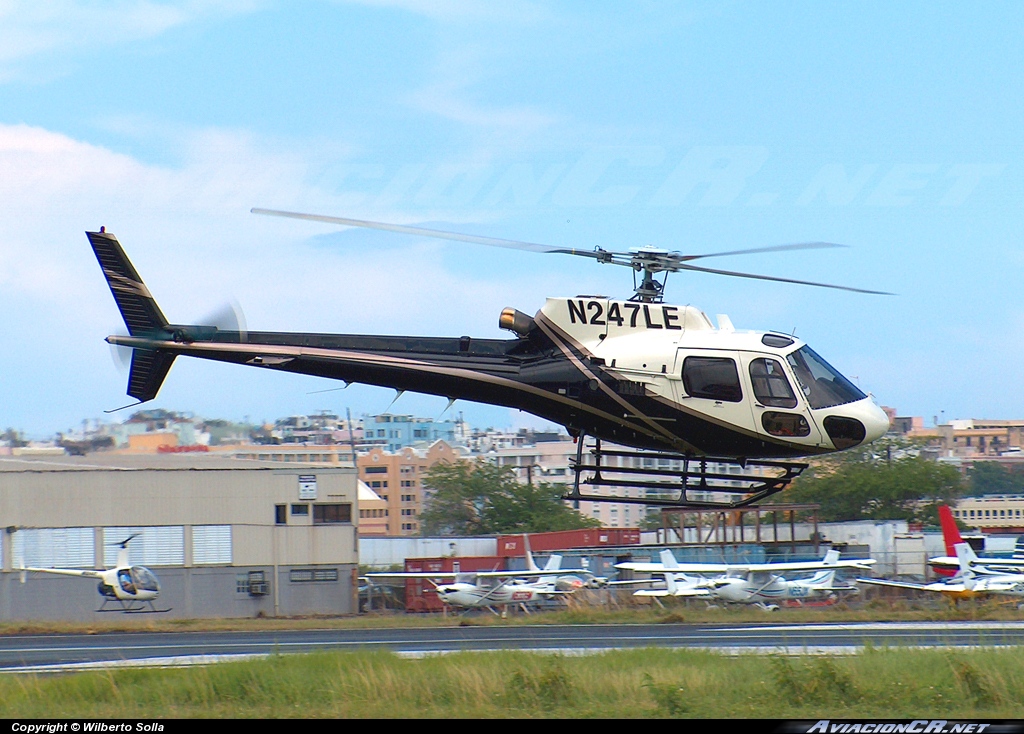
x: 975, y: 579
x: 130, y: 587
x: 760, y: 583
x: 659, y: 379
x: 490, y: 589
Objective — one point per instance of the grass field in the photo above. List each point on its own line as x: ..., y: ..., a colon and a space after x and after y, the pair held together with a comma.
x: 887, y: 683
x: 642, y: 683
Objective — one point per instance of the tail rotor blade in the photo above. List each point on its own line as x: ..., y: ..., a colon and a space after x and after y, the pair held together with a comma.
x: 121, y: 356
x: 228, y: 317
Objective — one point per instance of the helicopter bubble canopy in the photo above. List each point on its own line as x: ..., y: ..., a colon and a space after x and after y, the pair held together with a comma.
x: 145, y: 580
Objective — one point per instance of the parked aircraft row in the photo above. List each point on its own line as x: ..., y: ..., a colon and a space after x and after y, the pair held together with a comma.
x: 494, y: 589
x: 968, y: 574
x: 763, y: 584
x: 133, y: 588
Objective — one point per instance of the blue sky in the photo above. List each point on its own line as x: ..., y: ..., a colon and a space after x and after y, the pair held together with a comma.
x: 698, y: 127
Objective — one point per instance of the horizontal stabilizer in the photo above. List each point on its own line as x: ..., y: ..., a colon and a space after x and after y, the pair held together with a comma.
x: 149, y: 368
x: 138, y: 309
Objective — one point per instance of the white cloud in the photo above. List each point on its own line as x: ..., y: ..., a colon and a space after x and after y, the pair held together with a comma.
x: 188, y: 230
x: 30, y: 28
x: 464, y: 11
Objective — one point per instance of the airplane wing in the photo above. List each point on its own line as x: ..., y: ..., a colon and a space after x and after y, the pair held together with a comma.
x: 678, y: 568
x: 412, y: 575
x: 678, y: 592
x: 530, y: 574
x: 723, y: 568
x: 981, y: 565
x: 862, y: 564
x: 1001, y: 585
x: 953, y: 587
x: 86, y: 573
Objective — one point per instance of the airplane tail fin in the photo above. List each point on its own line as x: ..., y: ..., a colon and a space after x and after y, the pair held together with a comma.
x: 140, y: 312
x: 670, y: 583
x: 554, y: 563
x: 668, y: 560
x: 825, y: 578
x: 950, y: 532
x: 137, y: 306
x: 1018, y: 550
x: 530, y: 563
x: 966, y: 556
x: 950, y: 536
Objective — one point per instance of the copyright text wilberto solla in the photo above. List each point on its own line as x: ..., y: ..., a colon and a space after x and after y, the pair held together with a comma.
x: 101, y: 726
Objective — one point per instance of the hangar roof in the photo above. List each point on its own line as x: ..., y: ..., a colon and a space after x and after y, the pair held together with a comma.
x: 158, y: 462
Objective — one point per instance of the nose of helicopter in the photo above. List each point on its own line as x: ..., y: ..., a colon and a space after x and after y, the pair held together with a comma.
x: 876, y: 422
x: 856, y: 424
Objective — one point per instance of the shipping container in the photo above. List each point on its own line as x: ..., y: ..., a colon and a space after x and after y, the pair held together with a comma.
x: 513, y: 545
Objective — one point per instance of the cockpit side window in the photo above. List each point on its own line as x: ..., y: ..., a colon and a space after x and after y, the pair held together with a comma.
x: 820, y: 382
x: 715, y: 378
x: 771, y: 387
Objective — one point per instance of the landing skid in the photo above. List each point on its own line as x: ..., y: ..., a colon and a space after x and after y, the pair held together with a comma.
x: 127, y: 607
x: 668, y: 479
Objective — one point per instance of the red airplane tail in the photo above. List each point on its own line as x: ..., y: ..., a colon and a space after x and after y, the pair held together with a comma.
x: 951, y: 536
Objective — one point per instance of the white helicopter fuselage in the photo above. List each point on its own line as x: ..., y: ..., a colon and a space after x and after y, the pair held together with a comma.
x: 123, y: 582
x: 758, y: 385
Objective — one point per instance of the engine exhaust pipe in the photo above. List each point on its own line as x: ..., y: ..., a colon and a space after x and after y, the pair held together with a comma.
x: 515, y: 321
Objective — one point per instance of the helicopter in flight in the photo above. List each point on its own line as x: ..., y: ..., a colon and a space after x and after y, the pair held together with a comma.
x: 659, y: 381
x: 130, y: 588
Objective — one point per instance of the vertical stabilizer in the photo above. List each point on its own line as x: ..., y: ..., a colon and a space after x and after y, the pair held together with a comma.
x: 554, y: 563
x: 140, y: 312
x: 950, y: 532
x: 137, y: 306
x: 530, y: 564
x: 965, y: 555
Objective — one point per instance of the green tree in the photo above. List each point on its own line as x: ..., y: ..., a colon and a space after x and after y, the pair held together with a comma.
x: 989, y: 477
x: 480, y: 498
x: 13, y: 438
x: 890, y: 481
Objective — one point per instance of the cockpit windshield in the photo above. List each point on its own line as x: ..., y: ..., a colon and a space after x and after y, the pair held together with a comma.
x: 144, y: 579
x: 820, y: 382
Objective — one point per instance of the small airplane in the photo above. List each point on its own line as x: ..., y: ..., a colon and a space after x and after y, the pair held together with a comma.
x: 761, y: 584
x: 968, y: 583
x: 659, y: 380
x: 490, y: 589
x: 676, y: 584
x: 132, y: 588
x: 949, y: 564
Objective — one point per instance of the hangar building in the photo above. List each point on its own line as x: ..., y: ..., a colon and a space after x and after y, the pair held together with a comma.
x: 226, y: 538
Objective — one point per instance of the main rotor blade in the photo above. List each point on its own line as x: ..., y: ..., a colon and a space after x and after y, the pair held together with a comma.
x: 782, y: 280
x: 774, y: 248
x: 424, y: 232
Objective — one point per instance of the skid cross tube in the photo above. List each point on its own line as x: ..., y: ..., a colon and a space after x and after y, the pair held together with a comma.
x: 692, y: 476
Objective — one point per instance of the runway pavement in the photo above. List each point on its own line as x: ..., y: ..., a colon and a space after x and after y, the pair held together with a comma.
x: 67, y: 652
